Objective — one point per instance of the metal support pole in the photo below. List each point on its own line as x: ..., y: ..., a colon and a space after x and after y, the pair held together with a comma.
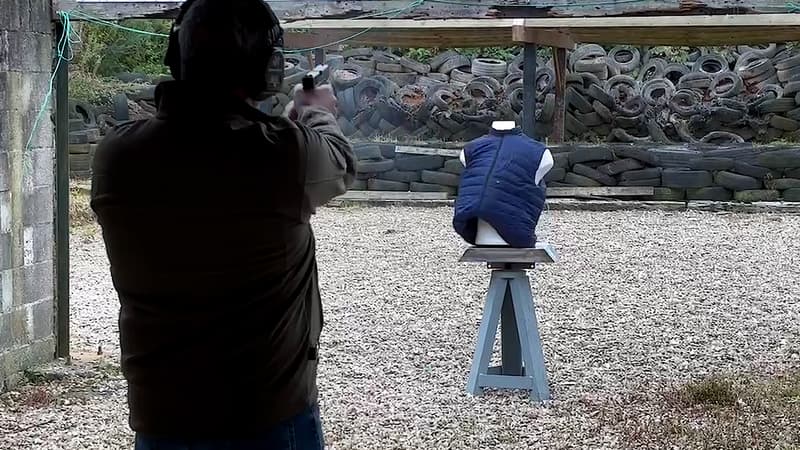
x: 529, y: 89
x: 319, y: 56
x: 560, y: 66
x: 62, y: 202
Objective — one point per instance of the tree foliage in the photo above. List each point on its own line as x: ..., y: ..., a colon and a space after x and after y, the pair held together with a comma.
x: 105, y: 51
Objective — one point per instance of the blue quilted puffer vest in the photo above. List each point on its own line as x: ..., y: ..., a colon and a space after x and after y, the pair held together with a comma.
x: 498, y: 186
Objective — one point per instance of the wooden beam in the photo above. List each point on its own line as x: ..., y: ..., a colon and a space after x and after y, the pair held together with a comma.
x: 666, y: 30
x: 401, y: 33
x: 392, y: 196
x: 609, y: 191
x: 677, y: 30
x: 559, y: 38
x: 446, y: 152
x: 297, y: 10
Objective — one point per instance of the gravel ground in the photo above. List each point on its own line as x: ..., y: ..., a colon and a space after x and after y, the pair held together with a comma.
x: 640, y: 303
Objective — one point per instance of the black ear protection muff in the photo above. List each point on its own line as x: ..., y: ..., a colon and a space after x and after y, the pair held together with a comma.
x: 269, y: 62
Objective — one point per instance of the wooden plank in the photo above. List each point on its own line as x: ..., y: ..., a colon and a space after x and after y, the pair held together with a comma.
x: 446, y: 152
x: 716, y: 29
x: 605, y: 191
x: 296, y: 10
x: 560, y: 38
x: 392, y: 196
x: 459, y: 33
x: 542, y: 253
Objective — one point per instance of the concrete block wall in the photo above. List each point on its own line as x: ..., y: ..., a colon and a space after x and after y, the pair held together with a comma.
x: 27, y: 206
x: 738, y: 172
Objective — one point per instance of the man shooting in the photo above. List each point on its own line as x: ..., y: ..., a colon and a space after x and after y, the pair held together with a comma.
x: 205, y: 213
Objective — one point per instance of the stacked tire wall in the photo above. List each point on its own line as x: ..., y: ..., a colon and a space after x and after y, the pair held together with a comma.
x: 677, y: 173
x: 621, y: 95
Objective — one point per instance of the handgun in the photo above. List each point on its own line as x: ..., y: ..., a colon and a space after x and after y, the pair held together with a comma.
x: 316, y: 77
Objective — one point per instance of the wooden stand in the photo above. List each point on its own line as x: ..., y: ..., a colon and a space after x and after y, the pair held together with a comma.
x: 510, y: 302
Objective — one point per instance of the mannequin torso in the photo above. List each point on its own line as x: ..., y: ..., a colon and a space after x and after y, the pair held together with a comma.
x: 487, y: 235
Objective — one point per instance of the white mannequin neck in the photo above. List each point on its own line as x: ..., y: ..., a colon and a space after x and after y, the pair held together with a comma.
x: 503, y: 125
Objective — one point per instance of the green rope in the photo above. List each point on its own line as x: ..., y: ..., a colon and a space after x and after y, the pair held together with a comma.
x: 63, y: 53
x: 88, y: 18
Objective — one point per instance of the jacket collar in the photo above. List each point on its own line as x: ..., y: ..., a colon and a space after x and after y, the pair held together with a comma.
x: 515, y: 130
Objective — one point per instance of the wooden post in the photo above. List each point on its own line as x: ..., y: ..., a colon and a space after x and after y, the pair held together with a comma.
x: 529, y: 90
x: 62, y: 201
x: 560, y: 67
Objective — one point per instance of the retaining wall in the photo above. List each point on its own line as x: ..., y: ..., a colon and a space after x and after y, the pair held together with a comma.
x: 26, y: 190
x: 716, y: 173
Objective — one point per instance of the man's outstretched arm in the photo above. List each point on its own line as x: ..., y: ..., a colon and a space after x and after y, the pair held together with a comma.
x: 331, y: 164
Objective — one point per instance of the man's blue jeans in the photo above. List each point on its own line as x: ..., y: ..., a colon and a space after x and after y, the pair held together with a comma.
x: 302, y: 432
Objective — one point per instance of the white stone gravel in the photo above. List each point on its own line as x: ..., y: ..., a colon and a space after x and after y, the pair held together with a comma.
x: 639, y: 300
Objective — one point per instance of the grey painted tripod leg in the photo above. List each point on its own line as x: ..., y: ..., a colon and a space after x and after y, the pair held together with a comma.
x: 509, y: 337
x: 532, y: 354
x: 487, y: 332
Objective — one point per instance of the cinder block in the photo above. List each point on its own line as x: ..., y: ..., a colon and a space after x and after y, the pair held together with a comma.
x: 43, y: 167
x: 44, y: 135
x: 15, y: 328
x: 38, y: 206
x: 25, y: 51
x: 39, y: 18
x: 16, y: 128
x: 43, y: 314
x: 5, y: 90
x: 37, y: 283
x: 5, y: 172
x: 25, y: 357
x: 43, y: 242
x: 8, y: 128
x: 6, y: 290
x: 5, y: 212
x: 33, y: 17
x: 5, y: 251
x: 5, y: 49
x: 27, y: 246
x: 23, y: 91
x: 10, y: 18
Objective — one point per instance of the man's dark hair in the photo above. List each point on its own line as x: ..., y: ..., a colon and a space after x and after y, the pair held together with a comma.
x: 226, y: 43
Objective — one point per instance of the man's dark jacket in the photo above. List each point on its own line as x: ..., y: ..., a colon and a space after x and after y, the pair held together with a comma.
x: 205, y: 213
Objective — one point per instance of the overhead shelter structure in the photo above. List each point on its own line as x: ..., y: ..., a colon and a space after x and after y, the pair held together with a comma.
x: 460, y: 23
